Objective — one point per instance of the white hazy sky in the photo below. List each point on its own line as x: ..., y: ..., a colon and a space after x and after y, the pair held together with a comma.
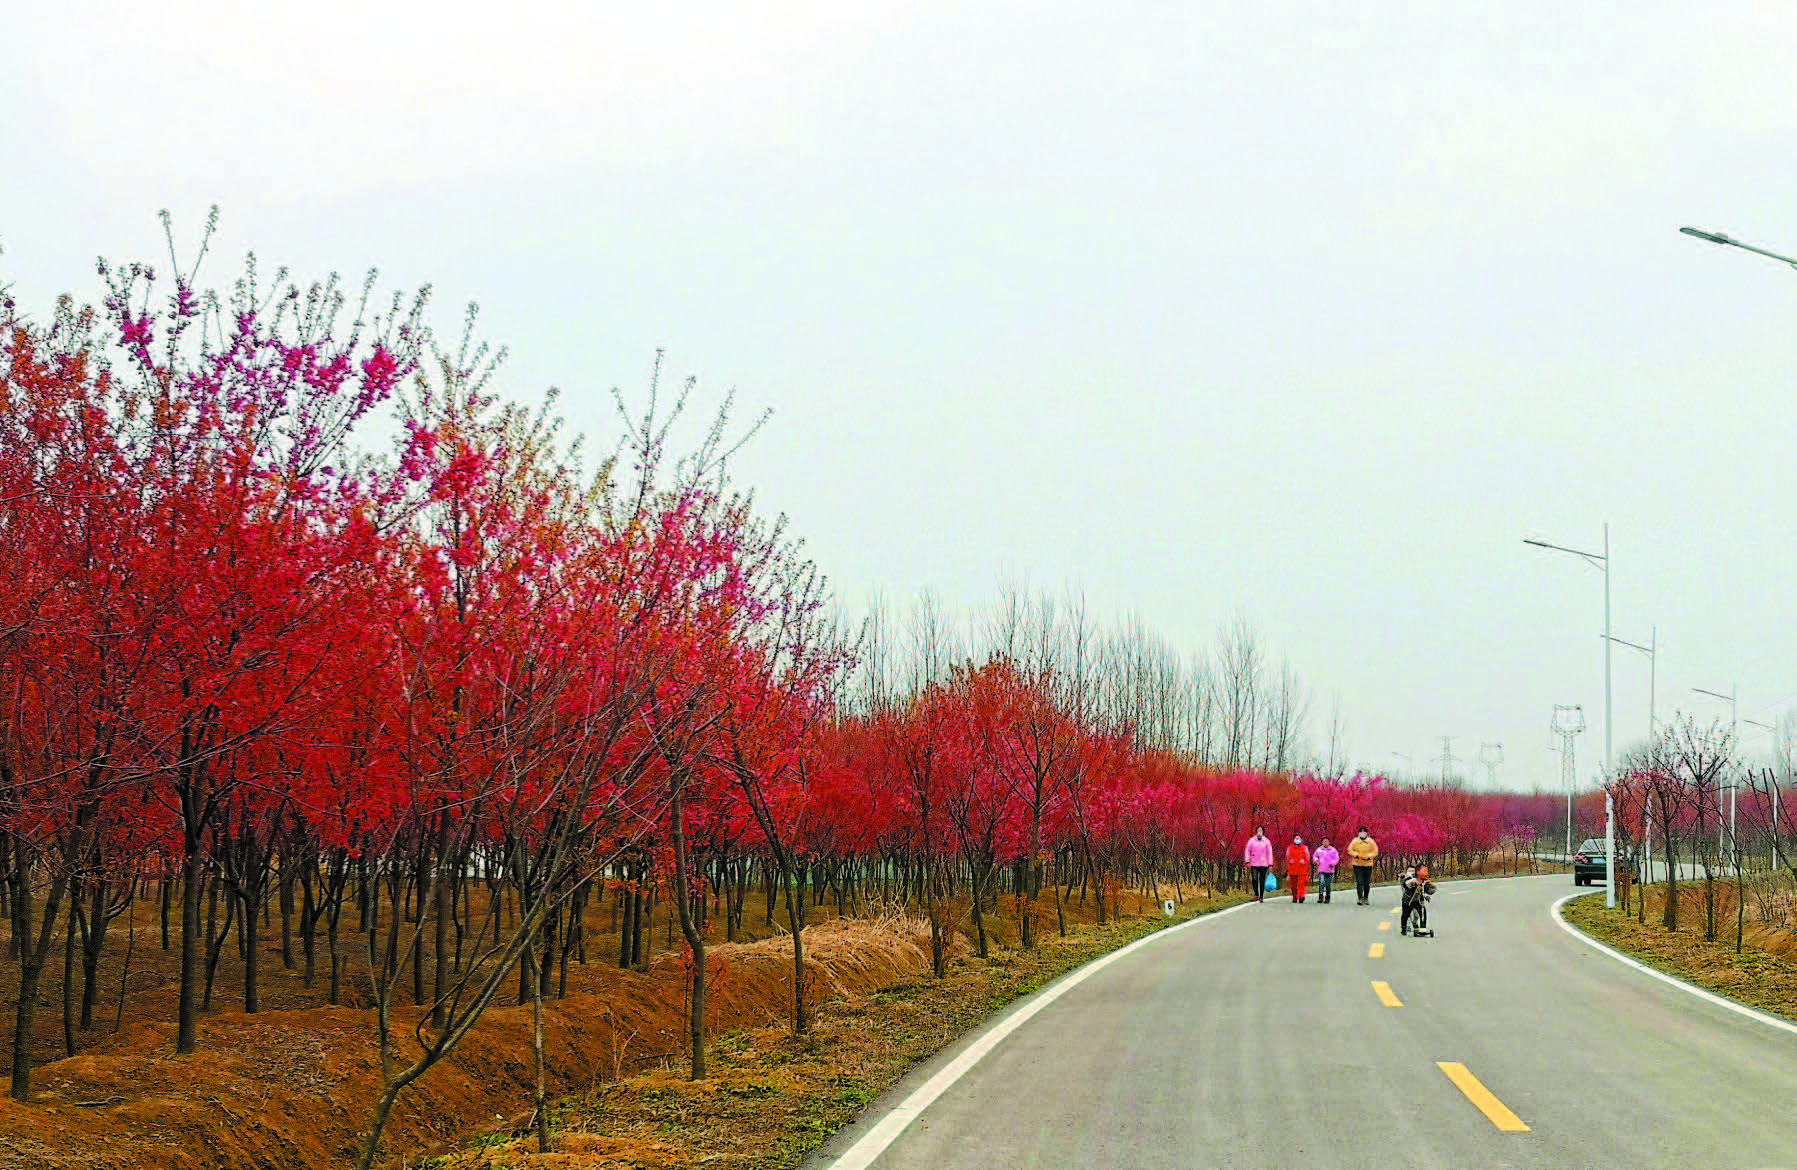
x: 1309, y: 312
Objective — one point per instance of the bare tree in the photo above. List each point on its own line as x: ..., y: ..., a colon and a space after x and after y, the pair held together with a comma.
x: 876, y: 686
x: 1682, y: 773
x: 1287, y: 710
x: 1241, y: 671
x: 1200, y: 703
x: 1007, y: 626
x: 1335, y: 763
x: 933, y: 644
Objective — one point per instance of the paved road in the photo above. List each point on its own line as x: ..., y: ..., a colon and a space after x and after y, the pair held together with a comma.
x: 1258, y: 1040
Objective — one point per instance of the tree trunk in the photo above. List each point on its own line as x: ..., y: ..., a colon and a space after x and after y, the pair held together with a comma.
x: 1740, y: 902
x: 1669, y: 913
x: 308, y: 924
x: 419, y: 879
x: 215, y: 944
x: 32, y: 957
x: 444, y: 911
x: 68, y: 972
x: 695, y: 1010
x: 255, y: 895
x: 795, y: 917
x: 93, y: 941
x: 627, y: 927
x: 377, y: 1124
x: 979, y: 912
x: 542, y: 1098
x: 187, y: 1018
x: 645, y: 917
x: 285, y: 893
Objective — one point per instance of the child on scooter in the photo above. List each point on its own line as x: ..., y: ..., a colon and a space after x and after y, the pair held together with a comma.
x: 1417, y: 890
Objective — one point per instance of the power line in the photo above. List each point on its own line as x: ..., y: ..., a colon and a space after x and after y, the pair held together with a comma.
x: 1769, y: 706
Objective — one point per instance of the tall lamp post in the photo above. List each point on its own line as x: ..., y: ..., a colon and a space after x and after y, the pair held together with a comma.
x: 1600, y: 561
x: 1653, y: 661
x: 1772, y: 783
x: 1731, y: 242
x: 1734, y: 727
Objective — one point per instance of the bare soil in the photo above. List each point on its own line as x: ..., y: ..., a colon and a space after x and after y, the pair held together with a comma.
x: 771, y: 1098
x: 291, y: 1085
x: 292, y: 1088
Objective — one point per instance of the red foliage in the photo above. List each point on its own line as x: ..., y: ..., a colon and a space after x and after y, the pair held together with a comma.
x: 234, y: 640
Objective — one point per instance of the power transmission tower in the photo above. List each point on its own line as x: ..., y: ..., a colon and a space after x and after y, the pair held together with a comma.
x: 1569, y: 721
x: 1491, y: 755
x: 1448, y: 758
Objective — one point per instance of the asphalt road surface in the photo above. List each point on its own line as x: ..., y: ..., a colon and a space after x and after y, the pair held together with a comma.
x: 1261, y: 1039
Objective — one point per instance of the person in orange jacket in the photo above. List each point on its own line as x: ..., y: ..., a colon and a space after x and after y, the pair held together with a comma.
x: 1297, y: 867
x: 1363, y: 851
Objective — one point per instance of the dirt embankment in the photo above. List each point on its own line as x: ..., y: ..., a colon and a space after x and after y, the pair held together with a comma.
x: 292, y: 1089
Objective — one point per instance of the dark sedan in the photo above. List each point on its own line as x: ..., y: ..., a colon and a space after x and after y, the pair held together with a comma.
x: 1588, y: 864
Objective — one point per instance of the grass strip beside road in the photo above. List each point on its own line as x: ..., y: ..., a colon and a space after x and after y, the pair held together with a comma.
x: 772, y: 1098
x: 1754, y: 977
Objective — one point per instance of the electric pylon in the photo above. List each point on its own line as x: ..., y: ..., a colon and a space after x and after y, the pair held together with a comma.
x: 1569, y: 721
x: 1491, y: 755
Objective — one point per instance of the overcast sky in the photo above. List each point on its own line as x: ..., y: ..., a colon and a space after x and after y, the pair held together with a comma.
x: 1308, y: 312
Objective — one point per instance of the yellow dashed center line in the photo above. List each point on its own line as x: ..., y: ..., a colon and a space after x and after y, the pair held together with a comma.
x: 1382, y: 989
x: 1376, y: 951
x: 1481, y: 1097
x: 1385, y: 926
x: 1397, y: 909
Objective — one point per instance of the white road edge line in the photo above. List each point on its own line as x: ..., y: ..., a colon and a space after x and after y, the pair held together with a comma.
x: 874, y: 1142
x: 1718, y: 1000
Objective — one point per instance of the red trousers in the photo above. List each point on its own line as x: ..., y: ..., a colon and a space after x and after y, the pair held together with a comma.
x: 1298, y: 881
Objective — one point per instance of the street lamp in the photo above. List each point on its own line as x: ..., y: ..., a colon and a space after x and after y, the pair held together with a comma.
x: 1653, y: 661
x: 1600, y: 561
x: 1772, y: 783
x: 1719, y: 238
x: 1652, y: 652
x: 1409, y: 764
x: 1734, y: 727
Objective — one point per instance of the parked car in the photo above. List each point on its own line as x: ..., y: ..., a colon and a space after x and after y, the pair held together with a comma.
x: 1589, y: 863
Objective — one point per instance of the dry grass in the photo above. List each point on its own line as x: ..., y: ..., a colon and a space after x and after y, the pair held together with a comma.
x: 1762, y: 976
x: 771, y: 1097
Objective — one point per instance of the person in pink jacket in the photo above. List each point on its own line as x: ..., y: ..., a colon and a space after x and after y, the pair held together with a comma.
x: 1326, y: 858
x: 1258, y: 857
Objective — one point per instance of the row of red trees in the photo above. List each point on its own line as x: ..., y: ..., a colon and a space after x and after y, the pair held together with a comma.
x: 435, y: 699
